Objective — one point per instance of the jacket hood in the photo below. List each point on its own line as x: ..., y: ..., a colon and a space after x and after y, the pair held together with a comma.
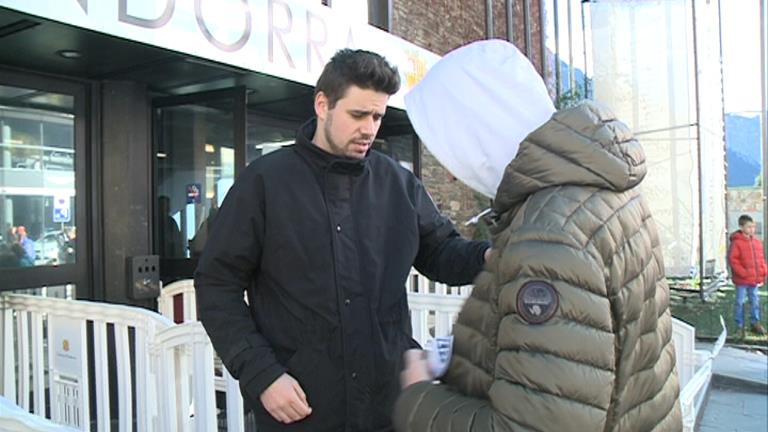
x: 475, y: 106
x: 739, y: 235
x: 582, y: 146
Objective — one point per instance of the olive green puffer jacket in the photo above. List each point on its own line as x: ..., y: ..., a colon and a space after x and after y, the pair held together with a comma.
x: 568, y: 327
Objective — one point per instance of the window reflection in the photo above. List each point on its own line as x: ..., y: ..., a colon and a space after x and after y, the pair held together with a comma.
x: 398, y: 147
x: 267, y: 135
x: 37, y: 178
x: 195, y: 169
x: 56, y: 291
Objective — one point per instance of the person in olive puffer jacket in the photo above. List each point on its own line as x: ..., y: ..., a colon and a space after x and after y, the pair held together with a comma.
x: 568, y: 327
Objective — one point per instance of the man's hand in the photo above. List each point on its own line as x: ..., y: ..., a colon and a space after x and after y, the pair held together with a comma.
x: 416, y: 368
x: 487, y: 254
x: 285, y: 400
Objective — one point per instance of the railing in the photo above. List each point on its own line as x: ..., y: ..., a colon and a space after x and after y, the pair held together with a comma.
x: 47, y: 341
x: 694, y: 368
x: 434, y: 306
x: 185, y: 354
x: 67, y: 360
x: 166, y: 302
x: 175, y: 370
x: 223, y: 382
x: 15, y: 418
x: 36, y: 157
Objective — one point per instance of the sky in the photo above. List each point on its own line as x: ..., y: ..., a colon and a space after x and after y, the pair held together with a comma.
x: 741, y: 55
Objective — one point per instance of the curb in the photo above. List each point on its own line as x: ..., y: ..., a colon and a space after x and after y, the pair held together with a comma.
x: 739, y: 384
x: 762, y: 348
x: 731, y: 342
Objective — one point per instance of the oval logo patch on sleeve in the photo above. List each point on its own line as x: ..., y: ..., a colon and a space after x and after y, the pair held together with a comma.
x: 537, y: 302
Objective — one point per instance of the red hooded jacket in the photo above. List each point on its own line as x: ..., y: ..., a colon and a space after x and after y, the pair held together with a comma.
x: 746, y: 259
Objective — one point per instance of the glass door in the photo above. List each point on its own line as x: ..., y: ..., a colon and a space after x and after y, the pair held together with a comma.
x: 199, y: 148
x: 43, y: 229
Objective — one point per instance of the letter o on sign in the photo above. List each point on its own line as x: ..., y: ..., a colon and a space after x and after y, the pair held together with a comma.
x: 217, y: 43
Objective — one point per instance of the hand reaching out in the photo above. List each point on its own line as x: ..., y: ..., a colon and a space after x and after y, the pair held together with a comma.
x: 416, y: 368
x: 285, y: 400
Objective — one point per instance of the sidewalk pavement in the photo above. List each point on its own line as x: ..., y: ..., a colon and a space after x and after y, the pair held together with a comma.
x: 738, y: 395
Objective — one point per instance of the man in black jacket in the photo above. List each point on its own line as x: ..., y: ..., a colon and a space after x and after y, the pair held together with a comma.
x: 322, y: 235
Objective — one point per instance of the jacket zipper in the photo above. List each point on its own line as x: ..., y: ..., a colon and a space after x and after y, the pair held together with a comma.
x: 756, y: 265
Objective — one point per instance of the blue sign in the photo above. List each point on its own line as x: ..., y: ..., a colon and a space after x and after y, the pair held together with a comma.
x: 61, y: 213
x: 193, y: 193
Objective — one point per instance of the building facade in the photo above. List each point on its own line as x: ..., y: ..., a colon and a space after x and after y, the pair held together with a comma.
x: 125, y: 122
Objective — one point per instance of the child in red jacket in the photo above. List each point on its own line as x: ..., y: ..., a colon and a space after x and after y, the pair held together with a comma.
x: 748, y: 270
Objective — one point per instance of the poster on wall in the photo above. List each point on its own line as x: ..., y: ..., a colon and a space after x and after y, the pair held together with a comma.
x: 193, y: 193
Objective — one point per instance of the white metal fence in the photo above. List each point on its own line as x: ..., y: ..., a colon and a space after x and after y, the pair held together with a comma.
x: 103, y: 367
x: 694, y: 368
x: 111, y: 367
x: 67, y: 360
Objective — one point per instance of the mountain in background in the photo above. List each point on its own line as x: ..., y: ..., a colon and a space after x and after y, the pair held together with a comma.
x: 578, y: 77
x: 742, y: 137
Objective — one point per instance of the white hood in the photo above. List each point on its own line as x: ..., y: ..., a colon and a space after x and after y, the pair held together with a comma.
x: 475, y: 106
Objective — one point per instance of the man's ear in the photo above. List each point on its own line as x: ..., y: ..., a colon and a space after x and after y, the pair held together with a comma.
x: 321, y: 105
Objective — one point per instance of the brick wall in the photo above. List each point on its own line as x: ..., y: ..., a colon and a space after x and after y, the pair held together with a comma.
x: 452, y: 197
x: 441, y: 26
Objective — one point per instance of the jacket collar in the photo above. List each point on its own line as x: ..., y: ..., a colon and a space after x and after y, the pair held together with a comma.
x: 740, y: 236
x: 322, y: 161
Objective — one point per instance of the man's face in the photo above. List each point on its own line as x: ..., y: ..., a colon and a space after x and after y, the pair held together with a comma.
x: 348, y: 129
x: 748, y: 229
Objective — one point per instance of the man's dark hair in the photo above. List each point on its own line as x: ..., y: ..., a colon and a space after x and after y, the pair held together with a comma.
x: 361, y: 68
x: 745, y: 219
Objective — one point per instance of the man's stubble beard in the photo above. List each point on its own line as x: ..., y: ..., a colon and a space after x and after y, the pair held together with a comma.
x: 334, y: 148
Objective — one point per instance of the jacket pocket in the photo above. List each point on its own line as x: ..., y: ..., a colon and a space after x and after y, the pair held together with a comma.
x: 320, y: 373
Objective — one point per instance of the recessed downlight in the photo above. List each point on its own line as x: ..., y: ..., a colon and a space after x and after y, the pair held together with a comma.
x: 70, y: 54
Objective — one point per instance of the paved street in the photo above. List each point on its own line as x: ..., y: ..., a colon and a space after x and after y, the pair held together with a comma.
x: 738, y: 398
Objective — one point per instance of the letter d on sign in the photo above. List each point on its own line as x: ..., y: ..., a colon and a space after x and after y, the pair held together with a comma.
x: 143, y: 22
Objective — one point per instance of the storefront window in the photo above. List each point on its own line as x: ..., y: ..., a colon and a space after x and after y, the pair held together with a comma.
x: 266, y: 135
x: 37, y: 178
x: 400, y: 148
x: 195, y: 169
x: 380, y: 14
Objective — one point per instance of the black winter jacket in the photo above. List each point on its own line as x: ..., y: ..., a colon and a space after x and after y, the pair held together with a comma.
x: 323, y: 246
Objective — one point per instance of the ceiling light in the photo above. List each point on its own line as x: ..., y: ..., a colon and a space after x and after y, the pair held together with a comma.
x: 161, y: 155
x: 70, y: 54
x: 209, y: 148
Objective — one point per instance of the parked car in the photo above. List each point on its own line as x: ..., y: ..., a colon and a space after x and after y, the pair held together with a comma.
x: 47, y: 248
